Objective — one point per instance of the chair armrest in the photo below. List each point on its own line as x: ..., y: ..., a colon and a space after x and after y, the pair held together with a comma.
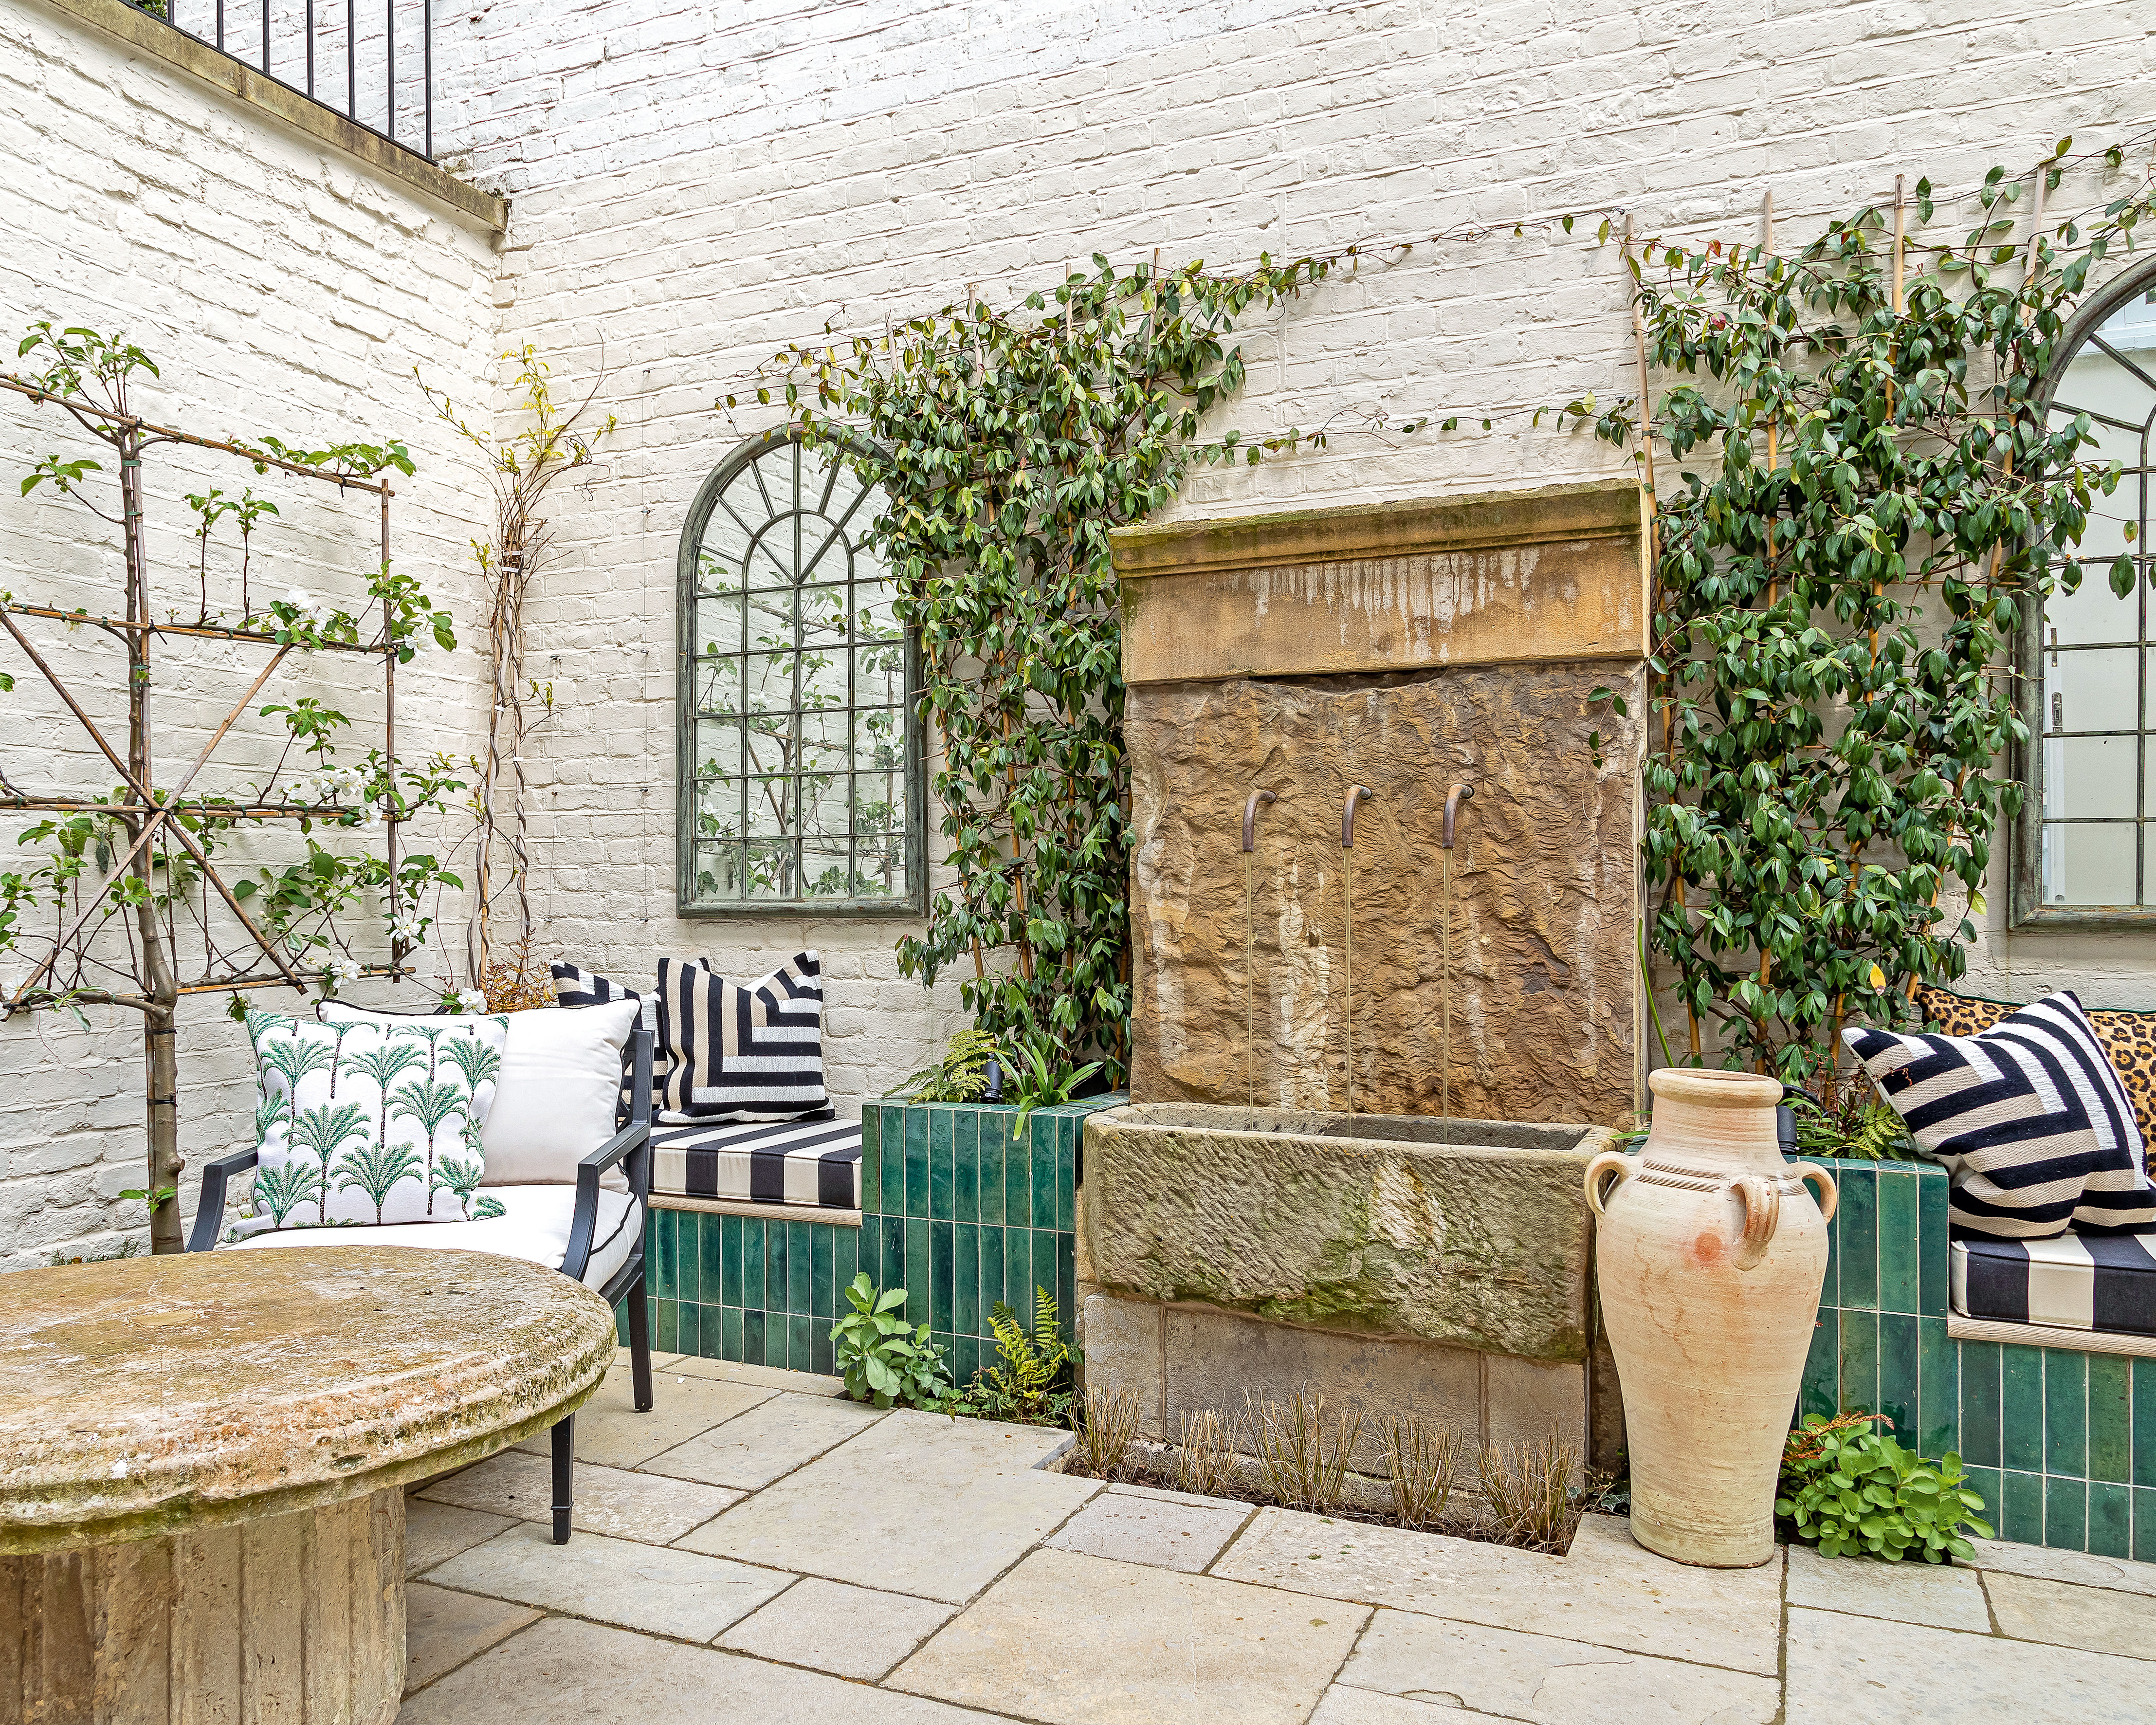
x: 210, y: 1208
x: 631, y: 1144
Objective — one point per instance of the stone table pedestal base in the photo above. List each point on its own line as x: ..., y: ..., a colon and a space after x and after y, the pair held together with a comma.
x: 297, y: 1617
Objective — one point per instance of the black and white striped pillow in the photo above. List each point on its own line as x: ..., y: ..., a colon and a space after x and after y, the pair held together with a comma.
x: 742, y: 1050
x: 574, y: 986
x: 2029, y: 1118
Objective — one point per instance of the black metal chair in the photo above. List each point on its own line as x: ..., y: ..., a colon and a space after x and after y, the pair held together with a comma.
x: 629, y: 1147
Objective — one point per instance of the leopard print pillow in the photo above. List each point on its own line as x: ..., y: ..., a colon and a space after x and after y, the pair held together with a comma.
x: 2129, y: 1038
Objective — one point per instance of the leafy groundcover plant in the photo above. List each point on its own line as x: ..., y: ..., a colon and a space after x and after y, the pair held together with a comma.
x: 1854, y: 1491
x: 883, y: 1358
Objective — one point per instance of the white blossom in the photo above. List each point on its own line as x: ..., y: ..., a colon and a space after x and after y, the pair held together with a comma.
x: 340, y: 970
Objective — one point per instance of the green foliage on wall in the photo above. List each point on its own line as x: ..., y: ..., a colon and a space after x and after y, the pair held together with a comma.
x: 1872, y: 503
x: 1010, y: 443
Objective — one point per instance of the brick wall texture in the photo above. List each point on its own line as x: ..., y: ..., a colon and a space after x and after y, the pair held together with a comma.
x: 690, y: 188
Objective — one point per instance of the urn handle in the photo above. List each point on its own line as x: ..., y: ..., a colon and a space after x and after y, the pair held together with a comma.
x: 1609, y: 1162
x: 1830, y: 1195
x: 1762, y: 1215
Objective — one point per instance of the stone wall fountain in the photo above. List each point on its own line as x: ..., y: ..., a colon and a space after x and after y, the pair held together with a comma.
x: 1384, y: 901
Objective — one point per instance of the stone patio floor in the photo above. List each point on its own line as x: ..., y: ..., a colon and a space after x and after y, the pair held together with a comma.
x: 757, y: 1550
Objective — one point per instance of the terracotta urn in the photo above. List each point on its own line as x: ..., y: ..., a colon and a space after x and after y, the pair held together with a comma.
x: 1709, y: 1256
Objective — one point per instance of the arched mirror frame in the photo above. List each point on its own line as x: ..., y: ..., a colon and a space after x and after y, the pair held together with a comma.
x: 2135, y: 498
x: 912, y: 900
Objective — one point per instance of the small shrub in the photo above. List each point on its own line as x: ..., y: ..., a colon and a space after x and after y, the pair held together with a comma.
x: 1301, y: 1468
x: 882, y: 1360
x: 1528, y: 1488
x: 1854, y: 1491
x: 1105, y: 1429
x: 1032, y: 1383
x: 1205, y: 1462
x: 1424, y: 1462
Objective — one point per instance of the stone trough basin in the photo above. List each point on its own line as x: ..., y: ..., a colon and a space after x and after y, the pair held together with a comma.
x: 1468, y: 1233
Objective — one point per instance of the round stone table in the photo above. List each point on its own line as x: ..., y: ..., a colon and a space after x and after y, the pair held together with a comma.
x: 202, y: 1460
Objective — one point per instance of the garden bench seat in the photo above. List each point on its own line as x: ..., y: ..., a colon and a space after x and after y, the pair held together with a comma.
x: 2071, y: 1281
x: 808, y: 1164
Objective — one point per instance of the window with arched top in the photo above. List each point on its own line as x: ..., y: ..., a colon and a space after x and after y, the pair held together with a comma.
x: 799, y: 776
x: 2088, y: 849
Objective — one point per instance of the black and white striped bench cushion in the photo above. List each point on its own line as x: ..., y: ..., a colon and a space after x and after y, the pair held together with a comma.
x: 814, y: 1163
x: 2075, y: 1281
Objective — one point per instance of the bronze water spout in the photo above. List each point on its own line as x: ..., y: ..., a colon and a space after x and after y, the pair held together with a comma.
x: 1458, y: 795
x: 1250, y: 818
x: 1355, y: 794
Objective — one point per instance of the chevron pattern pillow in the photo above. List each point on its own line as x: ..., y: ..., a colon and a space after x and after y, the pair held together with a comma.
x: 742, y: 1050
x: 2028, y: 1117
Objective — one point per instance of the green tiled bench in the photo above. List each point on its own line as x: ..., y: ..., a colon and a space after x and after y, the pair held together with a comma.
x: 961, y: 1214
x: 2062, y: 1442
x: 760, y: 1291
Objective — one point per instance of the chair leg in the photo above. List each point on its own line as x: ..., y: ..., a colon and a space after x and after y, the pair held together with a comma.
x: 565, y: 1455
x: 639, y: 1347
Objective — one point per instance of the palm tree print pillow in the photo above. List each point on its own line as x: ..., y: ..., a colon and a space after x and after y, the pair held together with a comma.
x: 361, y: 1122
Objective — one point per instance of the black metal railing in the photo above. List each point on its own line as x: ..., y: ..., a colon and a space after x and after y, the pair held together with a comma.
x: 342, y: 53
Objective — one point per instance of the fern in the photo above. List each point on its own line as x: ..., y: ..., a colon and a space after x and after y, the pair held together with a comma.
x: 1032, y: 1382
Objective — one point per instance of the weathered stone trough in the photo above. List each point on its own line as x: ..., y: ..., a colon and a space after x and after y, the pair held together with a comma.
x: 1404, y: 1263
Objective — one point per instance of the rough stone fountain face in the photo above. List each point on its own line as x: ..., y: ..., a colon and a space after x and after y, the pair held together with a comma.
x: 1286, y: 1204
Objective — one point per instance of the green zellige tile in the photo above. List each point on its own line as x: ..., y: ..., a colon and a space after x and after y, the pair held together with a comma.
x: 752, y: 1348
x: 775, y: 1244
x: 2144, y: 1524
x: 1939, y: 1419
x: 966, y: 1319
x: 1018, y: 1171
x: 1820, y: 1391
x: 730, y: 1261
x: 1066, y: 1165
x: 918, y: 1271
x: 2066, y: 1514
x: 989, y: 1136
x: 1856, y: 1224
x: 823, y: 1283
x: 2021, y: 1408
x: 939, y: 1164
x: 917, y: 1162
x: 2144, y: 1427
x: 2066, y: 1412
x: 2111, y: 1418
x: 801, y: 1342
x: 666, y: 1274
x: 1899, y: 1253
x: 801, y: 1267
x: 1899, y: 1373
x: 991, y: 1248
x: 1980, y: 1403
x: 940, y: 1267
x: 871, y: 1174
x: 729, y: 1333
x: 2110, y: 1519
x: 753, y: 1229
x: 2021, y: 1508
x: 1860, y: 1361
x: 1041, y: 1130
x: 965, y: 1165
x: 1932, y: 1253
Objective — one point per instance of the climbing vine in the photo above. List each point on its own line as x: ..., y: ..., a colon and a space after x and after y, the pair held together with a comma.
x: 1009, y: 443
x: 1873, y: 504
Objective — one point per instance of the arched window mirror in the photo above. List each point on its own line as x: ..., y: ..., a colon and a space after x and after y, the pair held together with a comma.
x: 799, y: 759
x: 2089, y: 827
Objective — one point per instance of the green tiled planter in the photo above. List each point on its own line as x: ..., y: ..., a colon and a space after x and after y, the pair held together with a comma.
x: 761, y: 1293
x: 960, y: 1213
x: 2061, y: 1444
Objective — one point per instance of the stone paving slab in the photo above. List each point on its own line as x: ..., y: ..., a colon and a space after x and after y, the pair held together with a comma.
x: 1607, y: 1591
x: 919, y: 1503
x: 849, y: 1631
x: 1934, y: 1593
x: 1547, y: 1679
x: 661, y: 1588
x: 610, y: 1500
x: 560, y: 1672
x: 435, y: 1533
x: 1167, y: 1534
x: 771, y: 1440
x: 442, y: 1630
x: 1343, y: 1706
x: 1844, y: 1669
x: 690, y: 1365
x: 1073, y: 1640
x: 2082, y: 1568
x: 611, y: 1433
x: 2092, y: 1619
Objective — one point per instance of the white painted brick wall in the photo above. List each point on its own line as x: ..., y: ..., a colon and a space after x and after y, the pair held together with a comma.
x: 694, y: 186
x: 283, y: 291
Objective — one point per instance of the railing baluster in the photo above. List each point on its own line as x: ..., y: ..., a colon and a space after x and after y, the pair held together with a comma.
x: 351, y: 58
x: 220, y: 26
x: 265, y: 39
x: 310, y: 48
x: 427, y: 64
x: 389, y: 63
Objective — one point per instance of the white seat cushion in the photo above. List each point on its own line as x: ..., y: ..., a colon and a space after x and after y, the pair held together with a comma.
x: 534, y: 1225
